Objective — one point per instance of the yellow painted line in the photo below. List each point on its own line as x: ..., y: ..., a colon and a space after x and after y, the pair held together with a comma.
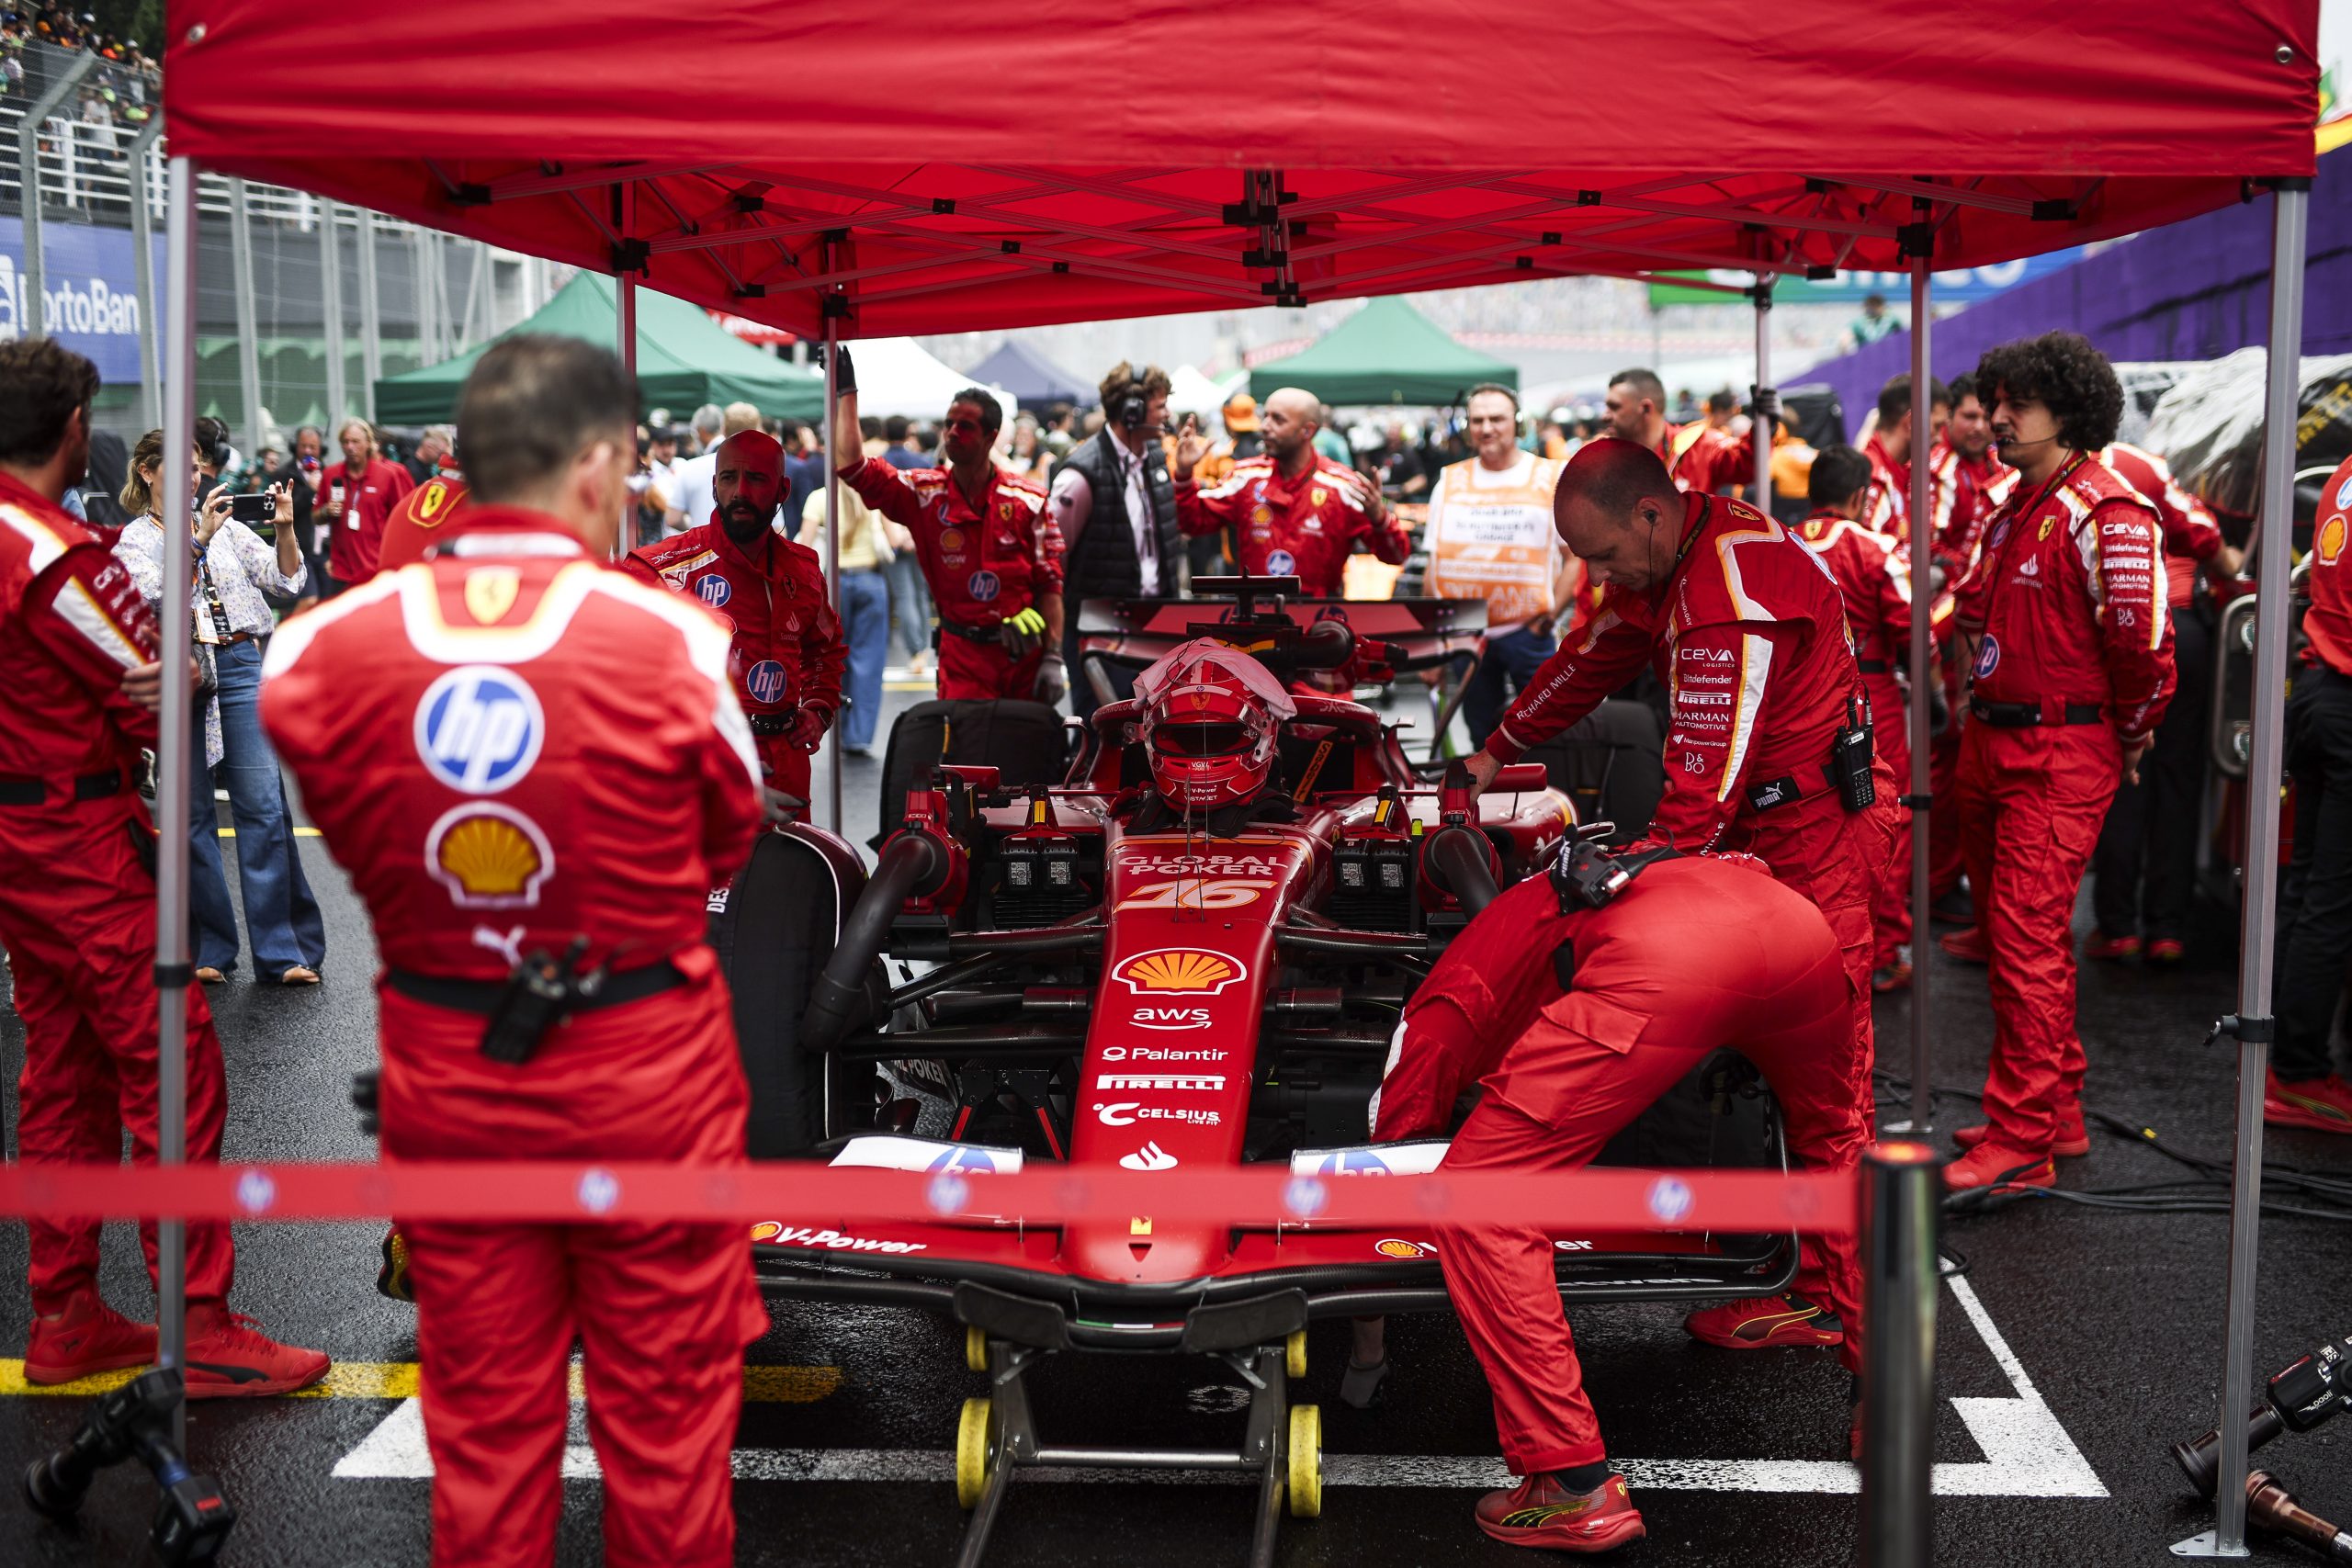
x: 910, y: 685
x: 397, y: 1380
x: 298, y: 832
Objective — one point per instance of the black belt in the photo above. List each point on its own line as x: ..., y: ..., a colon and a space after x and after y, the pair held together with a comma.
x: 770, y: 723
x: 483, y: 995
x: 1774, y: 792
x: 2027, y: 716
x: 33, y: 792
x: 1873, y: 666
x: 972, y: 634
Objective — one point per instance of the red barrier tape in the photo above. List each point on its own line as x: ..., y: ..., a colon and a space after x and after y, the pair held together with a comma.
x: 551, y: 1191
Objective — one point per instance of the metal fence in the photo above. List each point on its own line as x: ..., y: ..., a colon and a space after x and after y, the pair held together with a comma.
x: 301, y: 304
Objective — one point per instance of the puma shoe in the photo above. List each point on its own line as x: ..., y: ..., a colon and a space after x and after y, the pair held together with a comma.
x: 1540, y: 1511
x: 1891, y: 977
x: 88, y: 1336
x: 391, y: 1279
x: 1763, y: 1323
x: 2322, y: 1103
x: 2113, y: 949
x: 2000, y: 1168
x: 2073, y: 1138
x: 1967, y: 944
x: 230, y: 1357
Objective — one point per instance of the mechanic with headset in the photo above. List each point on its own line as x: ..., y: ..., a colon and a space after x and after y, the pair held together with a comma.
x: 1576, y: 1000
x: 770, y: 593
x: 986, y: 543
x: 536, y: 769
x: 1115, y: 505
x: 1767, y: 751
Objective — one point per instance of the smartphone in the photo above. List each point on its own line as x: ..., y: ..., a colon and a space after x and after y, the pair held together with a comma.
x: 252, y: 508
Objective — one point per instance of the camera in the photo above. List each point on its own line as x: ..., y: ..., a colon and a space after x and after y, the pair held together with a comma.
x: 194, y: 1515
x: 252, y: 508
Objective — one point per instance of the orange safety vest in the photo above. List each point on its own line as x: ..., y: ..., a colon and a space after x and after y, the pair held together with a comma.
x: 1490, y: 537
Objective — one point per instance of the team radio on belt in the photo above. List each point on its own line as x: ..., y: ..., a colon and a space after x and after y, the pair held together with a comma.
x: 538, y: 770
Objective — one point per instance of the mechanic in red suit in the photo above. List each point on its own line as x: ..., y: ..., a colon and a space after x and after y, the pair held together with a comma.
x: 353, y: 503
x: 988, y: 547
x: 77, y: 901
x: 788, y: 649
x: 1563, y: 1070
x: 2145, y: 869
x: 1292, y: 512
x: 2315, y: 902
x: 416, y: 524
x: 1708, y: 460
x: 2071, y: 665
x: 1874, y: 575
x: 516, y: 750
x: 1747, y: 631
x: 1890, y: 450
x: 1965, y: 481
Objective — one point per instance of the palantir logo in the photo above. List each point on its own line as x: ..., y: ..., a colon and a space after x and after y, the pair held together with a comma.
x: 479, y: 728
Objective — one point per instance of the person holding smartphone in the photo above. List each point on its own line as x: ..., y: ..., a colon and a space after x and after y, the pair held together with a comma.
x: 233, y: 570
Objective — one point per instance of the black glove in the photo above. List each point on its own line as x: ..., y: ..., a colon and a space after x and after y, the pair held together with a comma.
x: 1765, y: 404
x: 844, y: 372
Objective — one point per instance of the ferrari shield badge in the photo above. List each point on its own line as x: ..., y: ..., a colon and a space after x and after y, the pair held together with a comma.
x: 491, y: 591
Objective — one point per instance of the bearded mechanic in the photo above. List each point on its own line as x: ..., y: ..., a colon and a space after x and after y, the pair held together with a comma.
x: 2070, y: 666
x: 770, y: 592
x: 1747, y: 631
x: 1565, y: 1066
x: 520, y: 753
x: 1293, y: 512
x: 986, y: 543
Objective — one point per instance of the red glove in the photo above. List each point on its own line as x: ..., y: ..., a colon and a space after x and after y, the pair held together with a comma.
x: 809, y: 727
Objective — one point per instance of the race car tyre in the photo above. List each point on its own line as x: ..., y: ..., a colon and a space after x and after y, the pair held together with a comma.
x: 975, y: 1349
x: 1295, y: 1353
x: 1305, y: 1462
x: 972, y: 1454
x: 772, y: 933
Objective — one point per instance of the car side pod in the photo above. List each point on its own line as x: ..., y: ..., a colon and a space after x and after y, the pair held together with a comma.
x: 1260, y: 1339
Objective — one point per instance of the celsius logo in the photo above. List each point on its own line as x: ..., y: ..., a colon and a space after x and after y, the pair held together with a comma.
x: 1151, y: 1157
x: 479, y: 728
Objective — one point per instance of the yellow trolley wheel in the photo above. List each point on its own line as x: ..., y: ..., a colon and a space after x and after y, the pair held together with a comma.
x: 975, y: 1349
x: 971, y: 1453
x: 1305, y: 1462
x: 1295, y: 1354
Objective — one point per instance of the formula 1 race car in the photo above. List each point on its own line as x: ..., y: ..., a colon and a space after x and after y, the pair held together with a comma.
x: 1082, y: 977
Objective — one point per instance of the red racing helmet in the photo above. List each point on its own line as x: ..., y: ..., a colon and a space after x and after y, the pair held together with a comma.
x: 1210, y: 738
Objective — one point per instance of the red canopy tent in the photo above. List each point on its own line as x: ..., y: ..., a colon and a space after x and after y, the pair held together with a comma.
x: 868, y: 174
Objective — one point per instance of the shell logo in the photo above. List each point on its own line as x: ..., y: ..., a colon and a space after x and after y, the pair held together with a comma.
x: 1180, y: 971
x: 2330, y: 539
x: 489, y: 857
x: 767, y: 1230
x: 1403, y: 1250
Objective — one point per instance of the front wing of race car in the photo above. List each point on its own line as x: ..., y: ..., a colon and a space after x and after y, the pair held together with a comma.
x: 1010, y: 1278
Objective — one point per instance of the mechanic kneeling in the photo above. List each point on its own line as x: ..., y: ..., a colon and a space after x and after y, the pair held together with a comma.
x: 535, y: 769
x: 1691, y: 953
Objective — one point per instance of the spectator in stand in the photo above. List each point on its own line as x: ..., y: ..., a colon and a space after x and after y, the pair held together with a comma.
x: 895, y: 451
x: 301, y: 474
x: 869, y: 543
x: 1706, y: 461
x: 2145, y: 869
x: 1490, y: 537
x: 233, y: 571
x: 1873, y: 324
x: 425, y: 461
x: 355, y: 500
x: 1890, y: 449
x: 692, y: 501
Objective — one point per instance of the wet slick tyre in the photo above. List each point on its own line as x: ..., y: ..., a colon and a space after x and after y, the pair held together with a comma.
x: 772, y: 931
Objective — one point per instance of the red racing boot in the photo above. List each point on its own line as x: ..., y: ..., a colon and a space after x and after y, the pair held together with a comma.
x: 2073, y: 1138
x: 2003, y: 1168
x: 1896, y: 976
x: 1540, y: 1511
x: 1967, y: 944
x: 1763, y: 1323
x: 2324, y: 1104
x: 88, y: 1336
x: 2113, y: 949
x: 230, y: 1357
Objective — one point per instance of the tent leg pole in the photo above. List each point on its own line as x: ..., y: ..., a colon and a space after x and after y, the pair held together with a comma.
x: 2258, y: 941
x: 371, y: 317
x: 142, y: 273
x: 1923, y: 1104
x: 1762, y: 432
x: 241, y: 261
x: 625, y: 318
x: 172, y: 761
x: 331, y: 309
x: 833, y: 549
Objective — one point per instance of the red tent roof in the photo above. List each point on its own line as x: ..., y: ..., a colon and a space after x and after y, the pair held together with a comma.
x: 1068, y: 162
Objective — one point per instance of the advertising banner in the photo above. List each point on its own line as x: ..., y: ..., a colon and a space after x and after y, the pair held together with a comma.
x: 92, y: 305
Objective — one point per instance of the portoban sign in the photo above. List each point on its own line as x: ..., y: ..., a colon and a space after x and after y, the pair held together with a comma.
x: 1854, y: 287
x: 90, y: 292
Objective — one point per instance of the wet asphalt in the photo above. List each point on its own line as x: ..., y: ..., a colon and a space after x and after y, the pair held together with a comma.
x: 2112, y: 1320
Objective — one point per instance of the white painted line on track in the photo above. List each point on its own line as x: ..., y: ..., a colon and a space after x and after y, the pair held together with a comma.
x: 2027, y: 1454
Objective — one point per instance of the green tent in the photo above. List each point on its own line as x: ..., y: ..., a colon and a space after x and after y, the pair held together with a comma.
x: 1385, y: 353
x: 683, y: 360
